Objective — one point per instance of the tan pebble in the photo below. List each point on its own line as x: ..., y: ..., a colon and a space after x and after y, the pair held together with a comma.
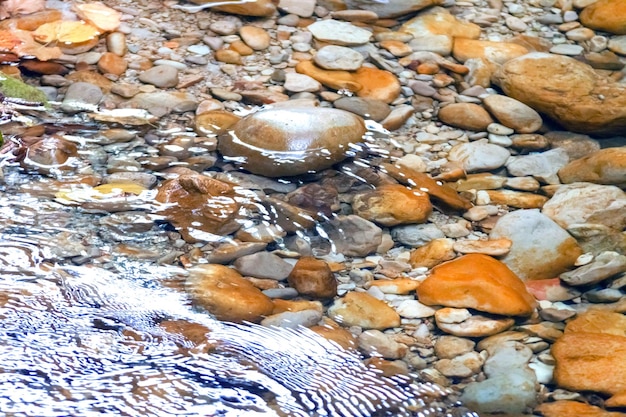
x: 480, y: 181
x: 214, y: 122
x: 480, y: 282
x: 517, y: 199
x: 363, y: 310
x: 468, y: 116
x: 397, y: 48
x: 398, y: 117
x: 468, y: 325
x: 546, y: 330
x: 116, y: 43
x: 110, y: 63
x: 280, y: 305
x: 427, y: 68
x: 241, y: 48
x: 336, y: 79
x: 257, y: 8
x: 433, y: 253
x: 496, y: 247
x: 255, y: 37
x: 365, y: 16
x: 392, y: 204
x: 226, y: 294
x: 313, y: 277
x: 395, y: 286
x: 228, y: 56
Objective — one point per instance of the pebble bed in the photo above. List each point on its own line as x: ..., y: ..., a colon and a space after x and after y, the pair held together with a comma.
x: 475, y: 237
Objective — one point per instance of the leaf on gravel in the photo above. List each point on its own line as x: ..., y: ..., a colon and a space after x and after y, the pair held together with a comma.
x: 8, y: 40
x: 65, y: 31
x: 21, y: 43
x: 10, y: 8
x: 103, y: 17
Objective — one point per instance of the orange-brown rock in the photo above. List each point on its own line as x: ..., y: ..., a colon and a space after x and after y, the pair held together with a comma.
x: 424, y: 182
x: 439, y: 21
x: 468, y: 116
x: 518, y: 199
x: 335, y: 79
x: 365, y: 82
x: 256, y: 8
x: 332, y: 331
x: 617, y: 400
x: 47, y: 154
x: 199, y: 207
x: 598, y: 321
x: 433, y: 253
x: 285, y: 141
x: 498, y: 52
x: 480, y: 282
x: 590, y: 362
x: 226, y: 294
x: 565, y: 408
x: 605, y: 15
x: 392, y: 204
x: 280, y: 305
x: 362, y: 309
x: 194, y: 332
x: 110, y: 63
x: 377, y: 84
x: 566, y: 90
x: 606, y: 166
x: 313, y: 277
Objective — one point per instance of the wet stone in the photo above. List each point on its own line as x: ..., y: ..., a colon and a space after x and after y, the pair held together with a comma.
x: 363, y: 310
x: 81, y: 96
x: 268, y: 143
x: 162, y: 76
x: 263, y: 265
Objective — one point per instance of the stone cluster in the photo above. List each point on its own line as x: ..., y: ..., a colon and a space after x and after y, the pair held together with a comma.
x: 437, y: 184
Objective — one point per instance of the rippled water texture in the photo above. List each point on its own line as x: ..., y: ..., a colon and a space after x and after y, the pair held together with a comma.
x: 85, y: 340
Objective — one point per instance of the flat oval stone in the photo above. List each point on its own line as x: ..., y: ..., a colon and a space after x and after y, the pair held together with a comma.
x: 292, y: 141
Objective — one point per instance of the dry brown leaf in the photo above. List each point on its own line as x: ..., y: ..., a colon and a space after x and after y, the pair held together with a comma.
x: 29, y: 47
x: 10, y: 8
x: 103, y: 17
x: 8, y: 40
x: 65, y: 31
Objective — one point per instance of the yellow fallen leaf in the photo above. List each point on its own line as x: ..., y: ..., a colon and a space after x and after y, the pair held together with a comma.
x: 103, y: 17
x: 65, y: 31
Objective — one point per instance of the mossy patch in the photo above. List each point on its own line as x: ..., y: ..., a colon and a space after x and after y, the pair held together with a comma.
x: 14, y: 88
